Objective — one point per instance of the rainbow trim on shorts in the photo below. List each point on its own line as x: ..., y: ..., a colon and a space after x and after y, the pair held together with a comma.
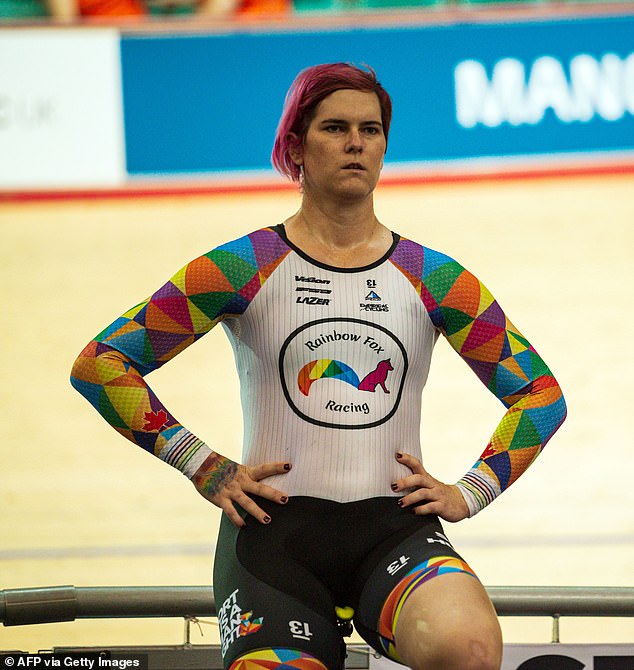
x: 280, y: 659
x: 418, y: 575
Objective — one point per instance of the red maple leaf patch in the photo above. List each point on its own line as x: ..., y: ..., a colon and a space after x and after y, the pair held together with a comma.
x: 155, y: 420
x: 489, y: 451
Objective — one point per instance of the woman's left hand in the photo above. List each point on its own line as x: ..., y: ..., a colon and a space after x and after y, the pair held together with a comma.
x: 431, y: 496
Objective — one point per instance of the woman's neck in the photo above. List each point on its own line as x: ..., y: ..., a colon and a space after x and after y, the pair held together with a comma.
x: 342, y: 237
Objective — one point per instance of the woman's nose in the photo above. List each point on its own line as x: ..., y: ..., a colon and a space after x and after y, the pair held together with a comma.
x: 354, y: 141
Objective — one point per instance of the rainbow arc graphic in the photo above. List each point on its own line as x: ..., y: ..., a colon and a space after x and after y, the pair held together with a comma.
x: 325, y: 368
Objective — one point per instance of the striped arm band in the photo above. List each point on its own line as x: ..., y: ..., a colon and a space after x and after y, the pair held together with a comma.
x: 185, y: 452
x: 478, y: 490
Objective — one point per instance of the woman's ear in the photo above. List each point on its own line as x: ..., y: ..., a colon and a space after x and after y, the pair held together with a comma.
x: 295, y: 148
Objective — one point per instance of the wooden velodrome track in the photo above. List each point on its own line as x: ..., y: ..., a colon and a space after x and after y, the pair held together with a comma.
x: 79, y: 505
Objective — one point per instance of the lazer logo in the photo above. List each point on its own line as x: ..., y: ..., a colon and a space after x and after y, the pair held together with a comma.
x: 312, y: 300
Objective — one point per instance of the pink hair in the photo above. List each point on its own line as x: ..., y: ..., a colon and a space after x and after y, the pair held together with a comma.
x: 310, y: 87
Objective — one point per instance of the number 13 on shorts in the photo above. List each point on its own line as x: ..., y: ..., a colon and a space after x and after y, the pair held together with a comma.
x: 300, y: 630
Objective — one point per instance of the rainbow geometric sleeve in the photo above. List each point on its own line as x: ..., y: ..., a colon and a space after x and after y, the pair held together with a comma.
x: 110, y: 371
x: 475, y: 325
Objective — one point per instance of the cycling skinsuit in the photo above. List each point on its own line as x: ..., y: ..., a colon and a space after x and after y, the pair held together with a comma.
x: 332, y: 364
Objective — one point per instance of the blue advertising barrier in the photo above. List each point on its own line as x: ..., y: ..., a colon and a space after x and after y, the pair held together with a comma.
x: 528, y: 91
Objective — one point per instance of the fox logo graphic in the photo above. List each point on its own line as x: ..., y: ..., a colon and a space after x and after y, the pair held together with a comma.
x: 326, y: 368
x: 377, y: 377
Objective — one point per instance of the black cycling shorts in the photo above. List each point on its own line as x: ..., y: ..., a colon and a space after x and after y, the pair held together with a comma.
x: 276, y: 586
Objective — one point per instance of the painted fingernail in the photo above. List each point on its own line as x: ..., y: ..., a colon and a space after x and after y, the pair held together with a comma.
x: 267, y: 519
x: 283, y: 500
x: 394, y: 486
x: 399, y: 502
x: 399, y: 454
x: 287, y: 466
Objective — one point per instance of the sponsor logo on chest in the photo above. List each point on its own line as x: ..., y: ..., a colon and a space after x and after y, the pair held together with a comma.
x: 311, y: 290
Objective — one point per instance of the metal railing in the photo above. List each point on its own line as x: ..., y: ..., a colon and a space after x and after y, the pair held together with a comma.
x: 68, y: 603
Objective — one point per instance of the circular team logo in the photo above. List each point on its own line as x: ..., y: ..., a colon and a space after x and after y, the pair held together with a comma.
x: 343, y: 373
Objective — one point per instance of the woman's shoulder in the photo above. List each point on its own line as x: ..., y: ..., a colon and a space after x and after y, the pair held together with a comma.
x: 259, y: 239
x: 420, y: 260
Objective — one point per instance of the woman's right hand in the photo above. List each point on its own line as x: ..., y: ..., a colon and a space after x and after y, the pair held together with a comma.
x: 224, y: 482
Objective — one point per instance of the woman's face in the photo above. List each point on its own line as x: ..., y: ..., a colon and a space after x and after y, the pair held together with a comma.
x: 342, y: 153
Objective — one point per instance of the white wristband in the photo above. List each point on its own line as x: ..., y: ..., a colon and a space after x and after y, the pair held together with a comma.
x: 185, y: 452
